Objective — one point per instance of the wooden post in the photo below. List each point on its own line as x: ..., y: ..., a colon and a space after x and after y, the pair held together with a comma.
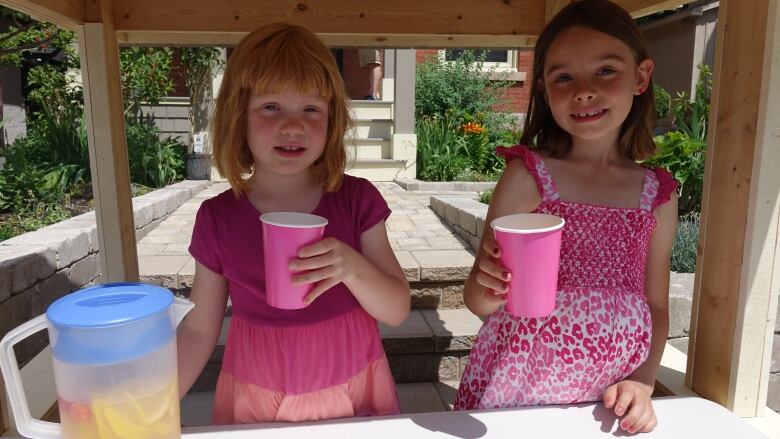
x: 104, y: 115
x: 738, y: 266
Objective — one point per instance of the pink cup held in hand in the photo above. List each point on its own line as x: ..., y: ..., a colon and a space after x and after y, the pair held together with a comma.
x: 283, y: 234
x: 531, y: 251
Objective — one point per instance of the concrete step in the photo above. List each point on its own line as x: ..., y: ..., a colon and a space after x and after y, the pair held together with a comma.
x: 360, y: 109
x: 196, y: 407
x: 371, y: 127
x: 431, y: 345
x: 377, y: 169
x: 369, y: 148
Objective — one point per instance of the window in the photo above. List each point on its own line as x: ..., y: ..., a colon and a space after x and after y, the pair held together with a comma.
x: 498, y: 60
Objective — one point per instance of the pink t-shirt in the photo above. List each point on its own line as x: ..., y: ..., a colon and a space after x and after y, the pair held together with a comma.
x: 227, y: 239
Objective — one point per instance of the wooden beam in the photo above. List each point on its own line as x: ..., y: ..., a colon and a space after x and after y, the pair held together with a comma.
x: 107, y: 144
x: 64, y: 13
x: 143, y: 38
x: 640, y: 8
x: 552, y: 7
x: 402, y: 22
x: 738, y: 266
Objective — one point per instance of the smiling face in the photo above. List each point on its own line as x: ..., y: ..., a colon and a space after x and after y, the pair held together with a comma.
x: 286, y: 131
x: 589, y: 81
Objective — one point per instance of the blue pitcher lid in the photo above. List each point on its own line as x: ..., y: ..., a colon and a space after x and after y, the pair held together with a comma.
x: 109, y: 305
x: 110, y: 323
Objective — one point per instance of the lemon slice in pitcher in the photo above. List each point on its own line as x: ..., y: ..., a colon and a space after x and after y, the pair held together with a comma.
x: 122, y: 427
x: 157, y: 405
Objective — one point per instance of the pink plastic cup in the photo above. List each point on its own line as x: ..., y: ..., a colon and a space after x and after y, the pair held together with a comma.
x: 531, y: 250
x: 283, y: 234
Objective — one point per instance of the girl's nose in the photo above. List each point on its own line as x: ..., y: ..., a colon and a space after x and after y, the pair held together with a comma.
x: 291, y: 126
x: 584, y: 95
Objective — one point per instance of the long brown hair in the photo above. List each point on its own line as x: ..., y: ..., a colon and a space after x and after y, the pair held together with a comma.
x: 541, y: 132
x: 274, y: 58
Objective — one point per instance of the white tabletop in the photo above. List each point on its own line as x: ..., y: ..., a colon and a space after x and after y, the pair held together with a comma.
x: 678, y: 417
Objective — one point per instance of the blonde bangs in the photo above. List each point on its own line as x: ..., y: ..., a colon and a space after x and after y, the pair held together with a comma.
x: 273, y: 59
x: 288, y: 61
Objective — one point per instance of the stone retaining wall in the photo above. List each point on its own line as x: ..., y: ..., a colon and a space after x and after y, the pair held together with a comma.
x: 37, y: 268
x: 466, y: 217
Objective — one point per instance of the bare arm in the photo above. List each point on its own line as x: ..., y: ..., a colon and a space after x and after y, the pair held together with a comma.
x: 374, y: 277
x: 198, y: 333
x: 515, y: 192
x: 659, y: 258
x: 631, y: 397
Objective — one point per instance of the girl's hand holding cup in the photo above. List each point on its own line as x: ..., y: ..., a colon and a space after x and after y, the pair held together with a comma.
x: 328, y: 263
x: 492, y: 275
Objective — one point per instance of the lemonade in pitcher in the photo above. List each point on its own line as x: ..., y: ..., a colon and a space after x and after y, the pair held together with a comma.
x: 123, y: 415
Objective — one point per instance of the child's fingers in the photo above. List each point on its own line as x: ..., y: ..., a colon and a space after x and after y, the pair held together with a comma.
x: 311, y: 263
x: 314, y: 276
x: 610, y: 396
x: 624, y: 397
x: 490, y: 268
x: 492, y: 283
x: 317, y: 248
x: 631, y: 420
x: 650, y: 426
x: 643, y: 424
x: 319, y: 289
x: 492, y: 248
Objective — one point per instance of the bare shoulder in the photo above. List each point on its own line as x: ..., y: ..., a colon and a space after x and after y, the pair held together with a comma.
x: 515, y: 192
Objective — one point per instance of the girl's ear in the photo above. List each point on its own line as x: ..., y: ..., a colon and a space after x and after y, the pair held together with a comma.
x: 644, y: 71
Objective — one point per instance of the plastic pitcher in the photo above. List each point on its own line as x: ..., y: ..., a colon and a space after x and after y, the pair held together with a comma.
x: 530, y: 249
x: 283, y: 234
x: 114, y: 354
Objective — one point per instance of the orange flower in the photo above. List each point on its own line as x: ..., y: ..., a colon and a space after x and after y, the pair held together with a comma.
x: 475, y: 128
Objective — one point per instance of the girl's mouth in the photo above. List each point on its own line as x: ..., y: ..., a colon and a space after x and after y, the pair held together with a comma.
x: 290, y: 150
x: 590, y: 115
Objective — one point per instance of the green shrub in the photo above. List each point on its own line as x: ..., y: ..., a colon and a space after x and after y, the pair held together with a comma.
x: 460, y: 87
x: 153, y: 162
x: 34, y: 216
x: 686, y: 239
x: 486, y: 197
x: 682, y: 151
x: 145, y: 75
x: 457, y: 129
x: 662, y: 101
x: 441, y: 151
x: 683, y: 156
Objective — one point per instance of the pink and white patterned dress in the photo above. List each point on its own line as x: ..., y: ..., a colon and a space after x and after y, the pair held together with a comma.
x: 599, y: 332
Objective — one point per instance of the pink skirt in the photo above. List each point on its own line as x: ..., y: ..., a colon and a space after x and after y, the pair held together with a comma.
x: 330, y: 369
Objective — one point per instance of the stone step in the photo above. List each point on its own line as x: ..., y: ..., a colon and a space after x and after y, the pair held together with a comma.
x: 413, y: 397
x: 431, y: 345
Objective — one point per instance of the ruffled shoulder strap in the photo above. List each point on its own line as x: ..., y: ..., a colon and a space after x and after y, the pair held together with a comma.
x: 535, y: 165
x: 657, y: 188
x: 666, y: 185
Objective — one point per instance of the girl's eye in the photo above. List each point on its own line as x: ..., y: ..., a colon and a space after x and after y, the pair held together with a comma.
x: 311, y: 109
x: 270, y: 107
x: 563, y: 78
x: 606, y: 71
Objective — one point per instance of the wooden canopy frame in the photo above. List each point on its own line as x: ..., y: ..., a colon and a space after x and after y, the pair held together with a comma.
x: 736, y: 283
